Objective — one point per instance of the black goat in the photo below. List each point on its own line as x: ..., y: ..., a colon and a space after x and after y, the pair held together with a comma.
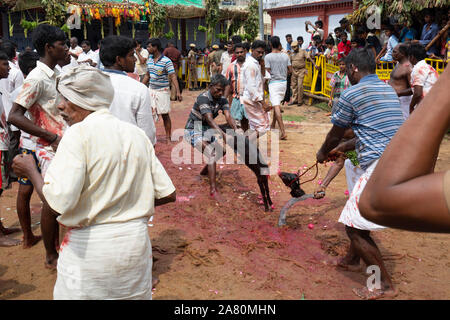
x: 252, y: 155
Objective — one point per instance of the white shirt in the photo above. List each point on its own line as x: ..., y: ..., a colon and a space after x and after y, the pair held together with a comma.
x: 225, y: 61
x: 131, y: 102
x: 4, y: 140
x: 77, y: 50
x: 40, y: 98
x: 104, y: 171
x: 27, y: 141
x: 141, y: 68
x: 252, y: 80
x: 83, y: 57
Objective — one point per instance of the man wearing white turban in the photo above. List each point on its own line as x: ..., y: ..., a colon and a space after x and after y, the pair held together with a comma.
x: 104, y: 183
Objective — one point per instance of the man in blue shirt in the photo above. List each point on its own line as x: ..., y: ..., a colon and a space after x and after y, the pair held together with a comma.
x: 429, y: 31
x: 160, y: 70
x: 372, y: 110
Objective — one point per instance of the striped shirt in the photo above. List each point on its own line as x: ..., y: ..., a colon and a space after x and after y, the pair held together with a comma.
x: 159, y: 71
x: 204, y: 104
x: 372, y: 109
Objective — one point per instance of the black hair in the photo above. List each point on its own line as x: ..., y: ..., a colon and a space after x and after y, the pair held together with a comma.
x: 113, y: 47
x: 361, y: 30
x: 275, y: 42
x: 330, y: 40
x: 8, y: 48
x: 139, y: 41
x: 221, y: 46
x: 86, y: 42
x: 259, y: 44
x: 155, y: 42
x: 288, y: 35
x: 246, y: 45
x: 218, y: 79
x: 236, y: 39
x: 363, y: 59
x: 417, y: 51
x: 344, y: 34
x: 317, y: 38
x: 27, y: 61
x: 238, y: 45
x: 338, y: 29
x: 320, y: 23
x: 171, y: 42
x: 46, y: 34
x: 300, y: 38
x: 403, y: 48
x: 3, y: 56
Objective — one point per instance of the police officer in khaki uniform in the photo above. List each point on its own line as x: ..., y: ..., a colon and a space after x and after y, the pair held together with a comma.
x: 192, y: 63
x: 211, y: 64
x: 298, y: 62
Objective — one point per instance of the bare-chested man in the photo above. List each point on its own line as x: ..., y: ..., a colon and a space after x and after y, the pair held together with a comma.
x: 401, y: 77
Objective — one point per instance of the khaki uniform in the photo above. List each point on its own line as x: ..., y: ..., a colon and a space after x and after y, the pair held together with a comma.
x: 192, y: 62
x: 298, y: 61
x: 212, y: 67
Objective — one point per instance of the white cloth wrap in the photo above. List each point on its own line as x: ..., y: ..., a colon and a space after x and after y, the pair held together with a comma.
x: 87, y: 87
x: 405, y: 101
x: 350, y: 215
x: 160, y: 100
x: 277, y: 91
x: 352, y: 174
x: 106, y: 261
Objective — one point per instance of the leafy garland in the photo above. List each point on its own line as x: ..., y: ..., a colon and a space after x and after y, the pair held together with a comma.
x: 157, y: 18
x: 252, y: 22
x: 211, y: 18
x: 55, y: 11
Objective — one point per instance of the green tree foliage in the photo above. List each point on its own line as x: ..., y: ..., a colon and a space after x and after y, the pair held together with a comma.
x: 211, y: 18
x: 157, y: 19
x: 252, y: 22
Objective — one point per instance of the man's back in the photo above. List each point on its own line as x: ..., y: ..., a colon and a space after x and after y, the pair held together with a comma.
x: 278, y: 64
x: 132, y: 103
x: 372, y: 109
x: 174, y: 55
x: 112, y: 169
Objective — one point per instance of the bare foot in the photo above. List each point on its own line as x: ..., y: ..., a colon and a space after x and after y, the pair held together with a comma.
x: 8, y: 242
x: 366, y: 294
x: 51, y: 261
x: 283, y: 137
x: 7, y: 231
x: 155, y: 282
x: 328, y: 114
x: 31, y: 242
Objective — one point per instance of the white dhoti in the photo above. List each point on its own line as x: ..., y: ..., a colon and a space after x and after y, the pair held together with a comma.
x: 258, y: 119
x: 160, y: 100
x: 405, y: 101
x: 350, y: 215
x: 106, y: 261
x: 277, y: 91
x: 352, y: 174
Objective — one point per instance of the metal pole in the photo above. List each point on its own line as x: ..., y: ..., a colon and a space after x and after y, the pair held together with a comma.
x: 261, y: 20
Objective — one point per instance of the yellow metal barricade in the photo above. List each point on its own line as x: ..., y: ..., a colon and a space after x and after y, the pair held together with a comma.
x: 328, y: 70
x: 307, y: 80
x: 384, y: 70
x: 437, y: 64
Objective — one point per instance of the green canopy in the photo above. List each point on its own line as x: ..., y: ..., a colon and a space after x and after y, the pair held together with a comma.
x: 195, y: 3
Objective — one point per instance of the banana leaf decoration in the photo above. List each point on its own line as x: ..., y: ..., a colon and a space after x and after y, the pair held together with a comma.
x: 179, y: 30
x: 11, y: 26
x: 102, y: 31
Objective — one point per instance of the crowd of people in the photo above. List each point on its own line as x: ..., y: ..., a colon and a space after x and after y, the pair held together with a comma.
x: 78, y: 127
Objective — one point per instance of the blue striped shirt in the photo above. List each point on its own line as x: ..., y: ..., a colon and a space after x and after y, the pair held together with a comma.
x: 372, y: 109
x: 159, y: 71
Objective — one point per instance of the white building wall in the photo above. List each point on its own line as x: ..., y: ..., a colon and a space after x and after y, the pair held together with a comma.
x: 294, y: 26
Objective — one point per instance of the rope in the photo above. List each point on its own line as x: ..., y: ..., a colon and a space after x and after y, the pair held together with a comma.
x: 300, y: 175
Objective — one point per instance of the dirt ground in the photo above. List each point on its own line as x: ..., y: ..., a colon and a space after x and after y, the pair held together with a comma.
x: 235, y: 250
